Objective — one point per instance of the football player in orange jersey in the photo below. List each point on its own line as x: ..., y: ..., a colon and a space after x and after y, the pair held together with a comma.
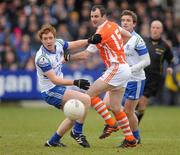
x: 114, y: 78
x: 137, y: 57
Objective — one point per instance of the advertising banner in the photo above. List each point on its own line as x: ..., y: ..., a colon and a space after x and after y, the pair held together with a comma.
x: 21, y: 84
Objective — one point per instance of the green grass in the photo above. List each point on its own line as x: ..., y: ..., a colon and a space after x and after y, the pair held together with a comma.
x: 23, y: 131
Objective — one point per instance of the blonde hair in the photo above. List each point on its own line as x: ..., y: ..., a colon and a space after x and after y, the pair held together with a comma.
x: 46, y: 29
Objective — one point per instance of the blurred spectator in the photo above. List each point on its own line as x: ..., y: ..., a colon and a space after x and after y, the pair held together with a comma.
x: 47, y: 17
x: 173, y: 86
x: 59, y: 10
x: 70, y: 5
x: 15, y: 37
x: 22, y: 22
x: 170, y: 28
x: 97, y: 2
x: 112, y: 10
x: 23, y: 51
x: 62, y: 32
x: 10, y: 60
x: 124, y: 5
x: 73, y: 24
x: 85, y: 11
x: 30, y: 65
x: 83, y: 32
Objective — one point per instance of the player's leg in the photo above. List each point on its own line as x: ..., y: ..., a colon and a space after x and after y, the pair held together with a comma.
x: 115, y: 97
x: 140, y: 110
x: 103, y: 84
x: 97, y: 88
x: 57, y: 96
x: 107, y: 130
x: 55, y: 140
x: 54, y: 97
x: 129, y: 109
x: 134, y: 91
x: 106, y: 100
x: 151, y: 88
x: 77, y: 131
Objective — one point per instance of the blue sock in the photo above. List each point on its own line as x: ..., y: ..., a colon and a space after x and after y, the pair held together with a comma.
x: 77, y: 128
x: 136, y: 134
x: 55, y: 138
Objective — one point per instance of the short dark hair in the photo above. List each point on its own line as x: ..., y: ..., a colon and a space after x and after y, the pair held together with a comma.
x: 101, y: 8
x: 130, y: 13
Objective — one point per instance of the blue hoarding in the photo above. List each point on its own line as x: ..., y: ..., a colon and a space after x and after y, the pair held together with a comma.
x: 23, y: 84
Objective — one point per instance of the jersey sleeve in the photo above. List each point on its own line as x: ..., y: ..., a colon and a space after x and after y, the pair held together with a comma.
x: 140, y: 46
x: 168, y: 56
x: 63, y: 43
x: 92, y: 48
x: 44, y: 63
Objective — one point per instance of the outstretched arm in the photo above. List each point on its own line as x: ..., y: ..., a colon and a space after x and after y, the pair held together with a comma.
x: 78, y: 56
x: 74, y: 45
x: 94, y: 39
x: 81, y: 55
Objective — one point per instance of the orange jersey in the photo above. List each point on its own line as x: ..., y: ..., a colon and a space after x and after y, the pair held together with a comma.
x: 111, y: 46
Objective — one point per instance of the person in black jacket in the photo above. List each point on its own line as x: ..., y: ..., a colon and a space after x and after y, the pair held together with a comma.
x: 159, y: 52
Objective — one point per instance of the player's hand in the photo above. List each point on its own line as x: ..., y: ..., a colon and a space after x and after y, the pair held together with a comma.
x: 67, y: 56
x: 169, y: 70
x: 95, y: 39
x: 82, y: 83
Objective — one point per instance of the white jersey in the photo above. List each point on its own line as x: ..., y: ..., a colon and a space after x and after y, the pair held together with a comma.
x: 134, y: 49
x: 46, y: 60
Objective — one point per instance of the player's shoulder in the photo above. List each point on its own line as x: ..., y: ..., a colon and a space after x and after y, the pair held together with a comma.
x: 41, y: 58
x: 112, y: 25
x: 60, y: 41
x: 138, y: 36
x: 138, y: 39
x: 165, y: 43
x: 107, y: 26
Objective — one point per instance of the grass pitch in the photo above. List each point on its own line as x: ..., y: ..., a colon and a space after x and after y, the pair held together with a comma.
x: 23, y: 131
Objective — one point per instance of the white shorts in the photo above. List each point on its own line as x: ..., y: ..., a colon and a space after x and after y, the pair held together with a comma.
x: 117, y: 75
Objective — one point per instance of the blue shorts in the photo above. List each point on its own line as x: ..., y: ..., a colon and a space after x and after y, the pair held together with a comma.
x: 134, y: 90
x: 54, y: 96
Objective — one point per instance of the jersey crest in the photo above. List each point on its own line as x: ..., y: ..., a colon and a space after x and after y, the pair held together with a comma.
x: 43, y: 61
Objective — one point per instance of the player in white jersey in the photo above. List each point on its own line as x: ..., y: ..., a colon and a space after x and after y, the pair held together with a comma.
x: 138, y: 58
x: 48, y: 60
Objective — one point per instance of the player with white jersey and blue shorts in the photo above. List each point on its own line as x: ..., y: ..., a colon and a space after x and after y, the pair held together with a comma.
x: 135, y: 51
x: 49, y: 60
x: 137, y: 57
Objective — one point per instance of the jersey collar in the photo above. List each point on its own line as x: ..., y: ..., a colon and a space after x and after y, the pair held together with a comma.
x: 133, y: 32
x: 48, y: 51
x: 102, y: 25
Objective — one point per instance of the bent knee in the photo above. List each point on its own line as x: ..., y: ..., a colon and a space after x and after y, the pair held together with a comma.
x: 86, y: 100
